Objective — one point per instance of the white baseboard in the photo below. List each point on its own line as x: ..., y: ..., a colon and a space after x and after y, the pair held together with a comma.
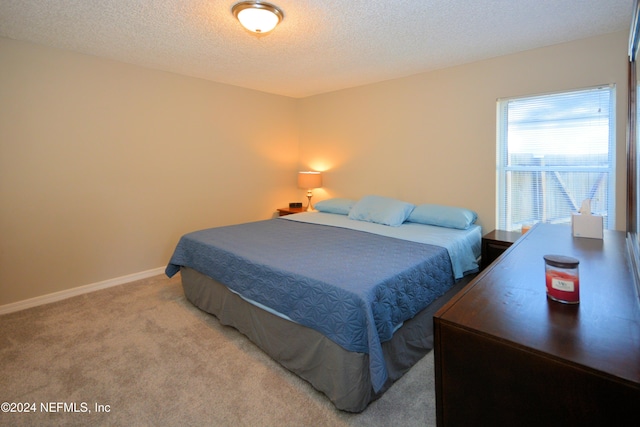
x: 68, y: 293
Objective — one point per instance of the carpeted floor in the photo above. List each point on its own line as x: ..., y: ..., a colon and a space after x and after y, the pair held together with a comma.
x: 140, y: 354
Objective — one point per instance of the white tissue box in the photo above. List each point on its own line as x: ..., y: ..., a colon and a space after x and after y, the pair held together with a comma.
x: 587, y: 226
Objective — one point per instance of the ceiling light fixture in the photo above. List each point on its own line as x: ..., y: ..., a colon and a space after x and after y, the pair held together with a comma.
x: 257, y: 16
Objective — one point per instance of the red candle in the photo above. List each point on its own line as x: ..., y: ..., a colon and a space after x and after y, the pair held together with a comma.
x: 562, y: 279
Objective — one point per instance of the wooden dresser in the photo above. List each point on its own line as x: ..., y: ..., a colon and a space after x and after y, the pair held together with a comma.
x: 505, y: 355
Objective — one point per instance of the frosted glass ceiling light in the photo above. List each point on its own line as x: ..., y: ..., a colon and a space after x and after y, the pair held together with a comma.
x: 256, y: 16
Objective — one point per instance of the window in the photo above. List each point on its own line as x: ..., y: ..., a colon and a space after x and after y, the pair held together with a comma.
x: 554, y: 151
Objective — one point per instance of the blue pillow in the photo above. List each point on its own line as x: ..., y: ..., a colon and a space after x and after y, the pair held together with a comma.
x: 336, y: 206
x: 381, y: 210
x: 443, y: 216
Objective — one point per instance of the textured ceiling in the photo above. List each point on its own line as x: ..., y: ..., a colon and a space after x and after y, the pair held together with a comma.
x: 320, y: 46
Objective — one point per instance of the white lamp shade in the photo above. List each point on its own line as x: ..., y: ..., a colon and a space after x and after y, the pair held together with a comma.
x: 308, y: 180
x: 258, y: 17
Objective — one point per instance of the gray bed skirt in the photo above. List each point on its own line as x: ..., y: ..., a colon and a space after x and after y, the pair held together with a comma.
x: 343, y: 376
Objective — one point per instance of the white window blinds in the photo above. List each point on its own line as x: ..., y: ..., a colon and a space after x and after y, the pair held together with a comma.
x: 554, y: 151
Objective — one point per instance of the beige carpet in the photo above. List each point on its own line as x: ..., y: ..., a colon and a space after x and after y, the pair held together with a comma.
x: 145, y: 356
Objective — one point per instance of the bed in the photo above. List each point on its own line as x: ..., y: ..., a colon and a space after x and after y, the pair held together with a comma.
x: 344, y: 301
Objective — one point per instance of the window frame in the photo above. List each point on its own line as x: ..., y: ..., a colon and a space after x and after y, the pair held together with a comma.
x: 503, y: 218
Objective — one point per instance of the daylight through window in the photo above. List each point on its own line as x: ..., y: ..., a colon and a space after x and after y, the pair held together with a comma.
x: 554, y: 151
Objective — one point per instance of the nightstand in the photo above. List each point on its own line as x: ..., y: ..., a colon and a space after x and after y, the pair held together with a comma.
x: 289, y: 211
x: 495, y: 243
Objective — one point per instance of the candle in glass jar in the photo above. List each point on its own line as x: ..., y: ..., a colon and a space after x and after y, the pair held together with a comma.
x: 562, y: 278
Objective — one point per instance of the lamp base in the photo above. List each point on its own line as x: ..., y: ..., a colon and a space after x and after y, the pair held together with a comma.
x: 309, y: 205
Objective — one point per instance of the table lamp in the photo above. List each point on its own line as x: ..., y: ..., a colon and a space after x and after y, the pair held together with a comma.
x: 308, y: 181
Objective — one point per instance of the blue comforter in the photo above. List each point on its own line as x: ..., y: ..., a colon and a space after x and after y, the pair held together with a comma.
x: 354, y: 287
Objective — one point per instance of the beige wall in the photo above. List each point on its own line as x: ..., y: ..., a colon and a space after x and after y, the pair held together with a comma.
x: 104, y: 165
x: 431, y: 138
